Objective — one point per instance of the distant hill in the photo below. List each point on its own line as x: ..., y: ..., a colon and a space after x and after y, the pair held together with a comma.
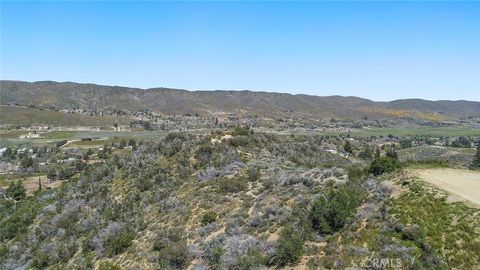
x: 177, y: 101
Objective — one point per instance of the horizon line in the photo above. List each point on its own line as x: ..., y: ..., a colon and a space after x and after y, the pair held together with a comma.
x: 231, y: 90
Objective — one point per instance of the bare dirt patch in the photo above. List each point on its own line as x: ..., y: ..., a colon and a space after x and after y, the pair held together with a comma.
x: 461, y: 184
x: 31, y: 183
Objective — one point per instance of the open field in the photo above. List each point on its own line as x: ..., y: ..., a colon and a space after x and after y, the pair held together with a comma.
x: 449, y: 132
x: 461, y: 184
x: 425, y: 131
x: 10, y: 138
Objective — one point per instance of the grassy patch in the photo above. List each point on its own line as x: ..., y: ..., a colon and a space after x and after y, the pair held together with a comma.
x: 426, y: 164
x: 451, y: 132
x: 452, y: 229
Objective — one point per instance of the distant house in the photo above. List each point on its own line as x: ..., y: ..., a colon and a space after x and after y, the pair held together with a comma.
x: 68, y: 160
x: 330, y: 148
x: 22, y: 150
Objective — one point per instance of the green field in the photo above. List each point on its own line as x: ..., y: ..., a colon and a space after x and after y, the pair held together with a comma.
x: 450, y: 132
x: 427, y: 131
x: 10, y: 138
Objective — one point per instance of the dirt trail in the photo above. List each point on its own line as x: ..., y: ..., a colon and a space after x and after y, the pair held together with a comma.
x: 462, y: 184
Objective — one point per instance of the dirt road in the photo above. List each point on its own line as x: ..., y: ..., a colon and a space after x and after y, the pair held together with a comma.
x: 461, y: 184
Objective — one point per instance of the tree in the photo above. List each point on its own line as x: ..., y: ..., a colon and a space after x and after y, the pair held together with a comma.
x: 8, y: 154
x: 462, y: 142
x: 406, y: 143
x: 122, y: 144
x: 476, y: 159
x: 348, y: 147
x: 132, y: 143
x: 52, y: 174
x: 16, y: 190
x: 86, y: 155
x: 26, y: 162
x: 319, y: 215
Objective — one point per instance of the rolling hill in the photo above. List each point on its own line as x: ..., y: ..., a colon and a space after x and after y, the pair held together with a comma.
x: 178, y: 101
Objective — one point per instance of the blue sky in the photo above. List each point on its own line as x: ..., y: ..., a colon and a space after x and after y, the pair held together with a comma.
x: 377, y: 50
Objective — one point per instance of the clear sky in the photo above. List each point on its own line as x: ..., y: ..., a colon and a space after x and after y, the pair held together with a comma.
x: 377, y: 50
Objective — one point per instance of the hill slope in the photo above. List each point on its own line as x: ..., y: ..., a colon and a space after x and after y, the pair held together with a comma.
x: 176, y: 101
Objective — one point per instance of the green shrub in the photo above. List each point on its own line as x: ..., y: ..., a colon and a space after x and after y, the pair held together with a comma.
x: 230, y: 185
x: 174, y: 255
x: 209, y: 217
x: 348, y: 147
x: 331, y: 212
x: 17, y: 223
x: 204, y: 154
x: 383, y: 165
x: 355, y: 173
x: 367, y: 153
x: 40, y: 261
x: 253, y: 174
x: 462, y: 142
x: 320, y: 215
x: 108, y: 266
x: 414, y: 233
x: 404, y: 144
x: 171, y: 136
x: 239, y: 141
x: 289, y: 248
x: 168, y: 236
x: 119, y: 243
x: 241, y: 131
x: 16, y: 190
x: 430, y: 163
x: 252, y: 260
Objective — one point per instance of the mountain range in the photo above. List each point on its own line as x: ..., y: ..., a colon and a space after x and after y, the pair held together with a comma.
x: 70, y: 95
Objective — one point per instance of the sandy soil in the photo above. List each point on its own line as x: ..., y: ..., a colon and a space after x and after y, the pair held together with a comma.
x: 461, y: 184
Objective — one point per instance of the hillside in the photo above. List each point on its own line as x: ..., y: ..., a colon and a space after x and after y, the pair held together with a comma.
x: 176, y: 101
x: 23, y: 116
x: 236, y: 200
